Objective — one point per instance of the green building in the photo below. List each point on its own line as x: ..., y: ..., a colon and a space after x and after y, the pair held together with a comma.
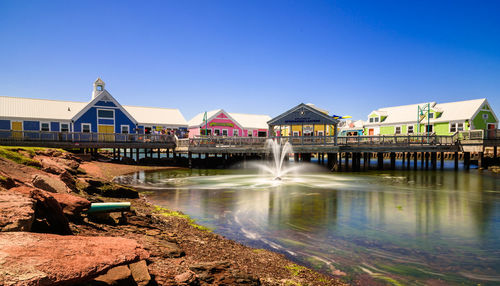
x: 436, y: 118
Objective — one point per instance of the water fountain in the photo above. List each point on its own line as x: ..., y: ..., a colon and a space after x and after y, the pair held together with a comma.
x: 279, y: 153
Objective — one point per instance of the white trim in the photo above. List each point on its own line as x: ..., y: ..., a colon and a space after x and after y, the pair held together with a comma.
x: 218, y: 113
x: 97, y: 99
x: 97, y: 113
x: 22, y: 124
x: 60, y: 127
x: 125, y: 125
x: 471, y: 120
x: 42, y: 122
x: 90, y: 127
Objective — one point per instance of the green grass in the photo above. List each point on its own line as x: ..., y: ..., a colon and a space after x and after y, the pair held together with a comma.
x: 192, y: 222
x: 295, y: 269
x: 13, y: 154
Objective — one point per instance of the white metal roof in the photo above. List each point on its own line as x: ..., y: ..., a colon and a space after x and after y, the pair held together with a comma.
x: 30, y: 108
x: 451, y: 111
x: 247, y: 121
x: 156, y: 115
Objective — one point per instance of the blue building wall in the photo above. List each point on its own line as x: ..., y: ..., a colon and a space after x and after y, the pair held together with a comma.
x: 4, y: 124
x: 88, y: 117
x: 122, y: 119
x: 105, y: 103
x: 91, y: 117
x: 54, y: 126
x: 31, y: 125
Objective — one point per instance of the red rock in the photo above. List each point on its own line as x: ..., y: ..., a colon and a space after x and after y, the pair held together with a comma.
x: 50, y: 184
x: 71, y: 205
x: 186, y: 278
x: 119, y: 275
x: 48, y: 259
x: 140, y: 273
x: 17, y: 211
x: 47, y: 209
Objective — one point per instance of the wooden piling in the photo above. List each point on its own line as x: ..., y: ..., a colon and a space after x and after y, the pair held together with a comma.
x: 467, y: 160
x: 442, y: 161
x: 434, y: 160
x: 380, y: 159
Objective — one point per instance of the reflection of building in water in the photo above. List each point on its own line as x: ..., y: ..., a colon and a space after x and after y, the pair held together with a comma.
x: 303, y: 210
x: 456, y: 207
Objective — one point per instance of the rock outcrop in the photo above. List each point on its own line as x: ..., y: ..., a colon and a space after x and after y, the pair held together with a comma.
x: 49, y: 216
x: 17, y: 211
x: 71, y: 205
x: 50, y: 184
x: 47, y: 259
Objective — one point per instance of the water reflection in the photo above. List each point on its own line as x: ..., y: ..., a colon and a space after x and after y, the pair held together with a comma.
x: 409, y: 226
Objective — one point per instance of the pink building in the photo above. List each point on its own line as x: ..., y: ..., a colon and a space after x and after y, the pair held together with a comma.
x: 222, y: 123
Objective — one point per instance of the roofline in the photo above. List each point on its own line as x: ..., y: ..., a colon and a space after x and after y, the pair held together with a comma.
x: 304, y: 105
x: 59, y: 100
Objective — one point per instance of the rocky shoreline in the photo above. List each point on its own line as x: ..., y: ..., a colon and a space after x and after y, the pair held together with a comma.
x: 47, y: 238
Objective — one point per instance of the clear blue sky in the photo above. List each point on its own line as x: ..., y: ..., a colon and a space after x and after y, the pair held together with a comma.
x: 348, y: 57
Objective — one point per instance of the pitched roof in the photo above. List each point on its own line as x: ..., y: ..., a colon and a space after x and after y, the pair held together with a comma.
x: 451, y: 111
x: 155, y: 115
x: 317, y: 113
x: 253, y: 121
x: 30, y: 108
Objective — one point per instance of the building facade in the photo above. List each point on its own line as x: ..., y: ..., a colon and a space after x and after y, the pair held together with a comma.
x: 221, y: 123
x: 436, y: 118
x: 103, y: 114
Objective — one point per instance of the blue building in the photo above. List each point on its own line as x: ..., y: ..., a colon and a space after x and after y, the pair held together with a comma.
x: 103, y: 114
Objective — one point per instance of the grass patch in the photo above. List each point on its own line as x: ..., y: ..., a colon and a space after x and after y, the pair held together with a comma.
x: 292, y: 283
x: 14, y: 154
x: 192, y: 222
x: 295, y: 269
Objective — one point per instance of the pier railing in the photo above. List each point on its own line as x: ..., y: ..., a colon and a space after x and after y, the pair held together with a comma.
x: 53, y: 136
x: 393, y: 140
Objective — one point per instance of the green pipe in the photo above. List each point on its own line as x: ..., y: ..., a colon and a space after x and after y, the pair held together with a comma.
x: 108, y: 207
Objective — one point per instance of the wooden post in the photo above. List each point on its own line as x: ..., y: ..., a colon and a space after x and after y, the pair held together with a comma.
x: 434, y: 160
x: 346, y: 154
x: 456, y: 161
x: 137, y: 154
x: 426, y: 160
x: 467, y: 160
x: 422, y: 160
x: 393, y: 160
x: 408, y: 160
x: 442, y: 161
x: 403, y: 157
x: 480, y: 160
x: 494, y: 152
x: 296, y: 157
x: 380, y: 163
x: 151, y: 153
x: 190, y: 159
x: 415, y: 160
x: 158, y: 152
x: 124, y: 152
x: 339, y: 162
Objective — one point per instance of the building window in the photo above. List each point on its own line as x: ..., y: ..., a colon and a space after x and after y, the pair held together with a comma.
x: 428, y: 128
x: 410, y: 129
x: 460, y: 127
x: 320, y: 133
x: 295, y: 133
x: 371, y: 120
x: 99, y: 87
x: 216, y: 132
x: 224, y: 132
x: 86, y: 127
x: 64, y: 127
x: 249, y: 133
x: 106, y: 113
x: 236, y: 132
x: 431, y: 115
x: 125, y: 129
x: 376, y: 119
x: 485, y: 116
x: 398, y: 130
x: 45, y: 126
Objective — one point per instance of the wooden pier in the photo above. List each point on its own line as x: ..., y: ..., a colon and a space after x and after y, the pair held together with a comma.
x: 341, y: 153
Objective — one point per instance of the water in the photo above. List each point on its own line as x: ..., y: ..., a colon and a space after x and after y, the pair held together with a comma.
x: 406, y: 227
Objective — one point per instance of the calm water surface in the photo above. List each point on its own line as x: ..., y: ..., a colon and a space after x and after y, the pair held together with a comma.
x: 400, y: 227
